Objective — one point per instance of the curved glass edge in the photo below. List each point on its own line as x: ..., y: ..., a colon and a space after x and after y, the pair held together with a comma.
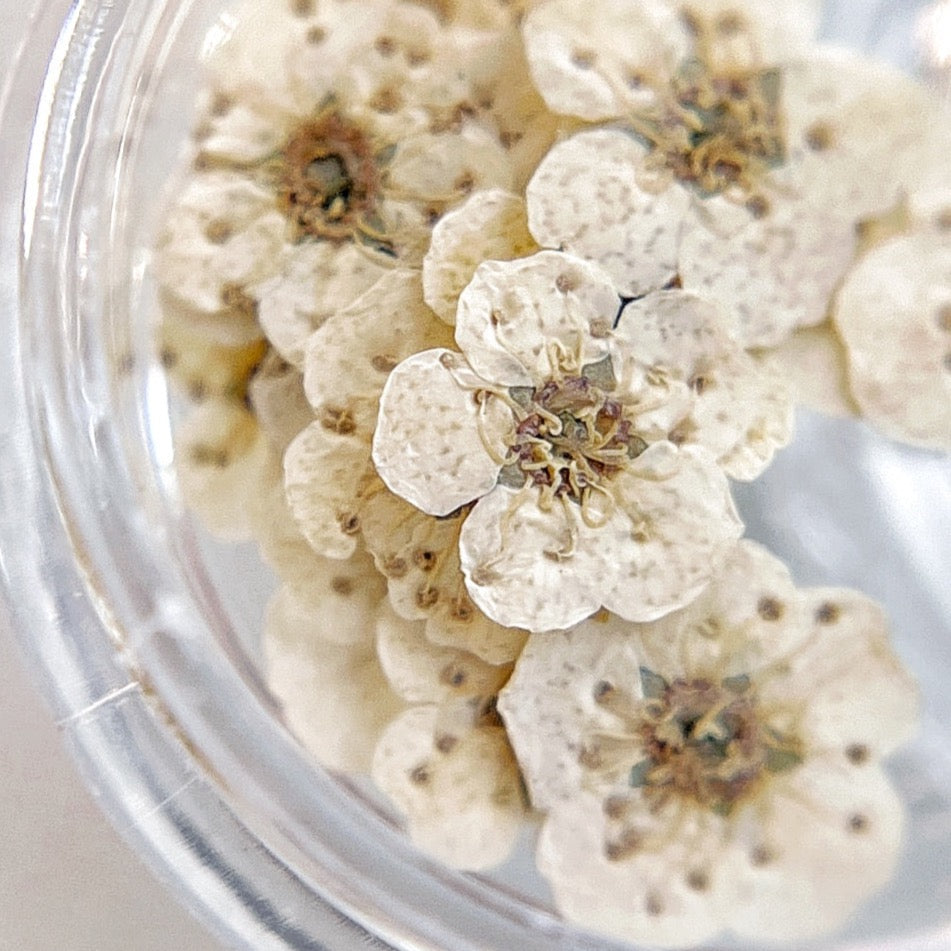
x: 136, y: 766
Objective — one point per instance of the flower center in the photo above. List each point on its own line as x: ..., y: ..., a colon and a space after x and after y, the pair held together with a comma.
x: 570, y: 436
x: 721, y: 124
x: 328, y: 180
x: 698, y: 740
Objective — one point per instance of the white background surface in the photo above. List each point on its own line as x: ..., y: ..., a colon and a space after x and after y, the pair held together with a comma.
x: 67, y: 882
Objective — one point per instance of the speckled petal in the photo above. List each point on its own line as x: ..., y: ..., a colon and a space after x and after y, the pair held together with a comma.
x: 812, y: 362
x: 860, y: 695
x: 316, y: 280
x: 490, y: 225
x: 423, y: 672
x: 445, y: 167
x: 349, y: 358
x: 336, y: 600
x: 522, y: 322
x: 584, y: 198
x: 325, y: 474
x: 601, y: 59
x: 222, y: 459
x: 436, y: 445
x: 826, y: 839
x: 682, y: 526
x: 894, y: 315
x: 223, y: 232
x: 852, y: 123
x: 538, y: 570
x: 459, y: 790
x: 644, y: 898
x: 549, y: 704
x: 777, y: 272
x: 334, y: 696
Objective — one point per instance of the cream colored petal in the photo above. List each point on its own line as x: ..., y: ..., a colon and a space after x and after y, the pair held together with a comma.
x: 334, y: 696
x: 860, y: 697
x: 316, y: 280
x: 458, y: 790
x: 549, y: 705
x: 824, y: 840
x: 851, y: 124
x: 526, y: 321
x: 894, y: 316
x: 812, y: 361
x: 747, y: 622
x: 240, y: 132
x: 423, y: 672
x: 777, y: 273
x: 349, y: 358
x: 447, y: 166
x: 276, y: 394
x: 535, y: 569
x: 325, y: 476
x: 199, y: 363
x: 682, y: 525
x: 774, y: 31
x: 337, y: 600
x: 490, y: 225
x: 470, y: 630
x: 436, y: 444
x: 601, y: 59
x: 645, y: 898
x: 222, y: 459
x: 585, y: 198
x: 223, y: 232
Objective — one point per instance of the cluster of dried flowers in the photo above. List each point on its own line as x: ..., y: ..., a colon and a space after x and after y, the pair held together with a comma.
x: 481, y: 305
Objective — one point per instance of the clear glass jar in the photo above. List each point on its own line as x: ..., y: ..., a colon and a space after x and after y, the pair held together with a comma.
x: 144, y: 632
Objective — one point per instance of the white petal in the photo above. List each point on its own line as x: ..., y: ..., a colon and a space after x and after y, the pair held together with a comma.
x: 894, y: 315
x: 336, y: 600
x: 489, y: 226
x: 223, y: 231
x: 825, y: 839
x: 316, y: 280
x: 524, y: 322
x: 644, y: 898
x: 682, y: 526
x: 538, y: 570
x: 447, y: 166
x: 585, y: 198
x: 349, y: 358
x: 812, y: 361
x: 600, y: 59
x: 325, y: 475
x: 436, y: 444
x: 276, y: 393
x: 459, y: 790
x: 777, y: 272
x: 222, y: 464
x: 423, y: 672
x: 334, y: 697
x: 549, y: 704
x: 860, y: 695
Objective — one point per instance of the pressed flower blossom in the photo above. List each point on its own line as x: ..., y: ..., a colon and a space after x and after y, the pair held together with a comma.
x: 719, y: 768
x: 324, y: 159
x: 334, y: 492
x: 734, y: 162
x: 557, y: 428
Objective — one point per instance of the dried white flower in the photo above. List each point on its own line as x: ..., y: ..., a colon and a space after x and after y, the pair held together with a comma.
x: 730, y: 163
x: 453, y: 775
x: 539, y: 423
x: 719, y: 768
